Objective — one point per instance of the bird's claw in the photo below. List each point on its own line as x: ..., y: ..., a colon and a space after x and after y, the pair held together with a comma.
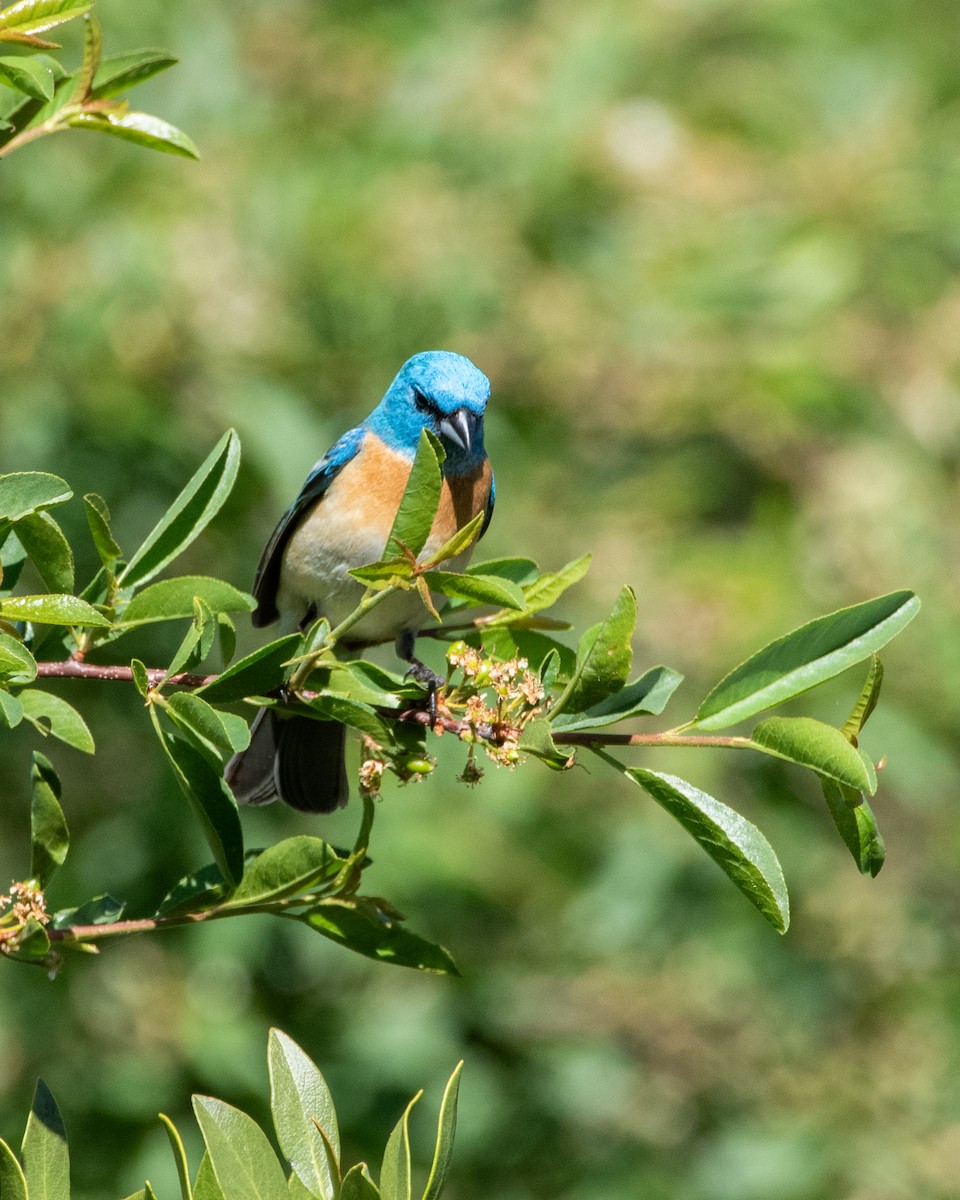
x: 420, y: 673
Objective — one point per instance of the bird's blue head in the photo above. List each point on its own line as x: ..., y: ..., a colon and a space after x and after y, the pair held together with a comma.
x: 442, y: 392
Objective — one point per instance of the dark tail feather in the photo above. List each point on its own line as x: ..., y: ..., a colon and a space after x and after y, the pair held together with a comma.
x: 296, y: 759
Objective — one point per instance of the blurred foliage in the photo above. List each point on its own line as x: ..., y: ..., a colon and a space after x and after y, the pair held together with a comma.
x: 707, y: 254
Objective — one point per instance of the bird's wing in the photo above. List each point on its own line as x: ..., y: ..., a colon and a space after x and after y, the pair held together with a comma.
x: 267, y: 579
x: 488, y: 515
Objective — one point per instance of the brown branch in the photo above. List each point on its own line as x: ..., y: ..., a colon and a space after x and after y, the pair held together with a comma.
x: 72, y: 668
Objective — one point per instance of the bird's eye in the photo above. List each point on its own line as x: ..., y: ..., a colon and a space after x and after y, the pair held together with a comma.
x: 423, y: 403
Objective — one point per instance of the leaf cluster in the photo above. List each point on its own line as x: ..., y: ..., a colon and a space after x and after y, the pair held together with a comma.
x: 239, y: 1162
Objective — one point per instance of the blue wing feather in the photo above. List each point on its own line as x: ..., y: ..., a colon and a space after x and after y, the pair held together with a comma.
x: 267, y: 579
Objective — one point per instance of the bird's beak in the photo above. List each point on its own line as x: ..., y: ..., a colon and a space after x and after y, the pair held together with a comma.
x: 460, y: 428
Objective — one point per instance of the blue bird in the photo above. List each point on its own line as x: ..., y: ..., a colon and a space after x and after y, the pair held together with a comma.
x: 341, y: 520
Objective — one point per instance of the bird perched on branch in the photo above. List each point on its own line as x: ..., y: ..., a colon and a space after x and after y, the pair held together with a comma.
x: 342, y: 520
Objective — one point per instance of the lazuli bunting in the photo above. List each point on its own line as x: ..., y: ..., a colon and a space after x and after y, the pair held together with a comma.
x: 341, y: 520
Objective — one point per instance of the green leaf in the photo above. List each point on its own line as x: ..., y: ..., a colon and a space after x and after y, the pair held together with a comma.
x: 806, y: 658
x: 357, y: 1185
x: 33, y: 943
x: 297, y: 1191
x: 646, y: 696
x: 180, y: 1155
x: 49, y: 837
x: 735, y: 845
x: 98, y: 519
x: 92, y: 52
x: 603, y: 658
x: 360, y: 926
x: 13, y: 1185
x: 395, y: 1181
x: 517, y: 570
x: 538, y: 741
x: 139, y: 128
x: 28, y: 76
x: 118, y: 73
x: 507, y: 641
x: 202, y: 889
x: 461, y: 540
x: 101, y: 910
x: 12, y: 557
x: 17, y: 664
x: 172, y: 600
x: 197, y: 642
x: 420, y: 500
x: 866, y: 701
x: 141, y: 679
x: 856, y: 825
x: 446, y: 1128
x: 205, y: 1186
x: 299, y: 1096
x: 226, y: 638
x: 34, y: 16
x: 223, y: 733
x: 190, y: 513
x: 27, y: 492
x: 242, y: 1159
x: 820, y: 747
x: 548, y: 588
x: 50, y: 714
x: 44, y: 1153
x: 211, y: 800
x: 11, y: 711
x: 256, y: 675
x: 49, y: 550
x: 354, y: 713
x: 52, y: 609
x: 477, y: 589
x: 291, y: 866
x: 391, y: 572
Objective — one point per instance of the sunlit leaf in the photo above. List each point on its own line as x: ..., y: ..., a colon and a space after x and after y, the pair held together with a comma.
x: 119, y: 72
x: 291, y: 866
x: 255, y: 675
x: 17, y: 664
x: 101, y: 910
x: 140, y: 128
x: 446, y: 1129
x: 180, y: 1156
x: 28, y: 76
x: 53, y: 715
x: 44, y: 1153
x: 806, y: 658
x: 190, y: 513
x: 223, y: 733
x: 646, y: 696
x: 820, y: 747
x: 49, y: 550
x: 418, y: 506
x: 299, y: 1096
x: 98, y: 519
x: 357, y: 1185
x: 359, y: 926
x: 242, y: 1159
x: 52, y: 609
x: 856, y: 825
x: 28, y: 492
x: 11, y: 711
x: 395, y: 1181
x: 866, y: 701
x: 13, y: 1184
x: 603, y: 658
x: 173, y: 599
x: 477, y: 589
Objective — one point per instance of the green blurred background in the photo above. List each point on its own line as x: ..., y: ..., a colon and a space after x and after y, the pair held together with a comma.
x: 708, y: 254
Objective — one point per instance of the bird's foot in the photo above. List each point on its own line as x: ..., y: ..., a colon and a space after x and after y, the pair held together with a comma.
x: 420, y: 673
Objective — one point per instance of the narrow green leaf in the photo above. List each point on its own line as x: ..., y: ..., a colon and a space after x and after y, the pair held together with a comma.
x: 140, y: 128
x: 201, y: 889
x: 421, y: 497
x: 52, y: 609
x: 49, y: 550
x: 51, y: 714
x: 141, y: 679
x: 291, y: 866
x: 351, y: 712
x: 646, y: 696
x: 98, y: 520
x: 357, y: 1185
x: 392, y: 572
x: 856, y: 825
x: 548, y: 588
x: 118, y: 73
x: 12, y: 557
x: 44, y: 1153
x: 205, y: 1186
x: 477, y: 589
x: 518, y: 570
x: 35, y: 16
x: 242, y: 1159
x: 460, y: 541
x: 11, y: 711
x: 27, y: 492
x: 507, y: 641
x: 735, y: 845
x: 49, y: 837
x: 180, y: 1156
x: 226, y: 638
x: 255, y: 675
x: 92, y: 53
x: 28, y: 76
x: 866, y: 701
x: 17, y: 664
x: 211, y: 800
x: 359, y: 926
x: 806, y: 658
x: 173, y: 599
x: 820, y: 747
x: 13, y: 1185
x: 297, y: 1191
x: 299, y: 1096
x: 603, y: 658
x: 395, y: 1181
x: 223, y: 733
x: 446, y: 1128
x: 197, y: 642
x: 101, y: 910
x: 190, y: 513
